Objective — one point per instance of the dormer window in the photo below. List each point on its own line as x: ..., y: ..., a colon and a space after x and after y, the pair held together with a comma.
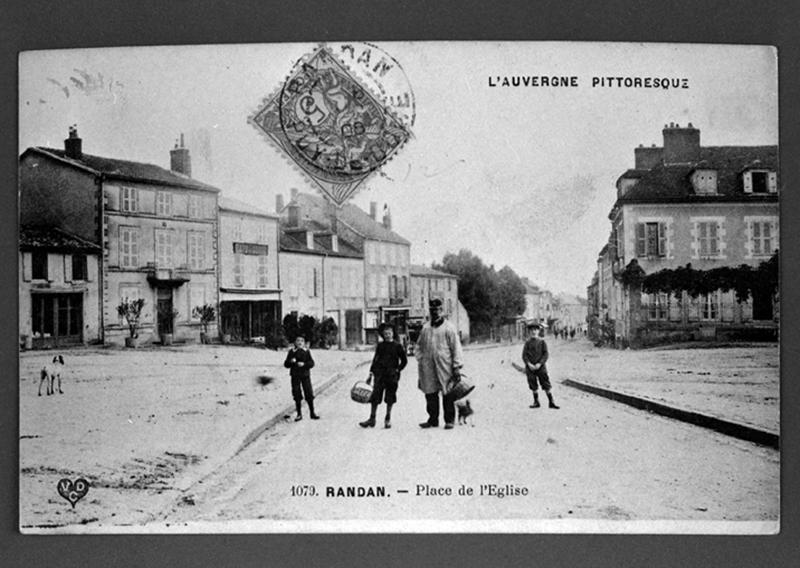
x: 760, y: 181
x: 704, y: 181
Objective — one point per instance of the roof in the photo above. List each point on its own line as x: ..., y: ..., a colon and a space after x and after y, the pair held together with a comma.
x: 672, y: 183
x: 290, y: 243
x: 125, y: 169
x: 530, y: 287
x: 358, y: 220
x: 422, y: 270
x: 52, y: 238
x: 236, y: 206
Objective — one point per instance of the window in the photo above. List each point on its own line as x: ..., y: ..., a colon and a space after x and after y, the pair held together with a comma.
x: 405, y: 286
x: 762, y: 238
x: 237, y: 230
x: 195, y: 207
x: 393, y: 286
x: 163, y: 239
x: 237, y: 270
x: 657, y: 306
x: 39, y: 265
x: 760, y: 181
x: 620, y: 235
x: 449, y: 285
x: 373, y: 285
x: 129, y: 247
x: 261, y: 233
x: 163, y: 203
x: 129, y: 199
x: 709, y: 306
x: 651, y: 239
x: 705, y: 181
x: 708, y: 238
x: 197, y: 250
x: 79, y: 270
x: 262, y: 280
x: 449, y: 306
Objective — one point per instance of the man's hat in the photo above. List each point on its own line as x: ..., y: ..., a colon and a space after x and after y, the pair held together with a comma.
x: 435, y: 303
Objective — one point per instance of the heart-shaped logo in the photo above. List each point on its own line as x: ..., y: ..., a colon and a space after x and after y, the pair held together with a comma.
x: 73, y: 491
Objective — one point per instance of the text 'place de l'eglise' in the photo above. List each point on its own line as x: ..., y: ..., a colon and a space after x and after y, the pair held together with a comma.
x: 690, y: 256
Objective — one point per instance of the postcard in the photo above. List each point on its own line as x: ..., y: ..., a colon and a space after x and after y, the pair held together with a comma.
x: 399, y: 287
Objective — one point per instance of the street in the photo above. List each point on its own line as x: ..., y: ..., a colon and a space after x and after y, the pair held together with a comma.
x: 593, y: 459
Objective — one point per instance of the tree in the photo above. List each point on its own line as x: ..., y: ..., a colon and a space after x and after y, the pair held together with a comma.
x: 510, y: 294
x: 131, y: 310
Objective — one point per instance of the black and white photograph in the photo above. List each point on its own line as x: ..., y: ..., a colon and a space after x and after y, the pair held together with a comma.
x: 400, y: 287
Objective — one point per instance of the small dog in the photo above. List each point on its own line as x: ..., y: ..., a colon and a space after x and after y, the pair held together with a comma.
x: 464, y: 410
x: 51, y: 372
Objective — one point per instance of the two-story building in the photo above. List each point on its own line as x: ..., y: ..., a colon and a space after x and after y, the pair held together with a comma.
x: 683, y: 203
x: 157, y: 230
x: 428, y: 283
x: 385, y: 254
x: 539, y: 303
x: 59, y: 295
x: 249, y: 292
x: 322, y: 274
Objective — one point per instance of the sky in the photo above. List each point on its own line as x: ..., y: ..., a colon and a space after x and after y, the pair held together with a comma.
x: 521, y: 176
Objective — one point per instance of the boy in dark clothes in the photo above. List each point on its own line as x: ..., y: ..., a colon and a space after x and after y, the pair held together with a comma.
x: 390, y: 358
x: 299, y: 362
x: 534, y: 355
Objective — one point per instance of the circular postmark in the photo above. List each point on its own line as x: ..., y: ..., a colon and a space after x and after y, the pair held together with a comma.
x: 337, y: 128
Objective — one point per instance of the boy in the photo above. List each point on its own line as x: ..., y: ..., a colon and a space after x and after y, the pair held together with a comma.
x: 299, y: 362
x: 390, y: 358
x: 534, y: 355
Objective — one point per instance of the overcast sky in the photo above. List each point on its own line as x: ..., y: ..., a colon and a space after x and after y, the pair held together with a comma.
x: 522, y: 176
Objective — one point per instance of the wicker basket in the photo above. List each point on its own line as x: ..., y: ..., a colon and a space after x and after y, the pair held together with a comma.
x: 361, y: 392
x: 460, y: 389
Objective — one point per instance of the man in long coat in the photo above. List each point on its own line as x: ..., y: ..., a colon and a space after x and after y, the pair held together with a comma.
x: 439, y: 356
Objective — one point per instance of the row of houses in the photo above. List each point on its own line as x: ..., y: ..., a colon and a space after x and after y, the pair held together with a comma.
x: 684, y: 203
x: 95, y: 231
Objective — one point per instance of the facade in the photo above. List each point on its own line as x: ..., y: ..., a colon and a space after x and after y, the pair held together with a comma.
x: 157, y: 230
x: 540, y: 305
x: 59, y: 292
x: 385, y: 255
x: 571, y: 312
x: 249, y: 293
x: 428, y: 283
x: 682, y: 204
x: 322, y: 275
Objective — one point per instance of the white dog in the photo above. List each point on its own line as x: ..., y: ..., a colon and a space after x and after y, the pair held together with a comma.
x: 51, y: 372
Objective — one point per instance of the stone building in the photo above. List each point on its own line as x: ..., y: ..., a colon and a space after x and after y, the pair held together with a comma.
x: 428, y: 283
x: 385, y: 255
x: 59, y: 292
x: 156, y: 228
x: 249, y: 293
x: 684, y: 203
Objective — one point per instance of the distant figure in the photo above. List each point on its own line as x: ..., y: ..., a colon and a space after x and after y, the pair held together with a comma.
x: 572, y: 333
x: 299, y: 362
x: 439, y: 355
x: 390, y: 358
x: 535, y: 355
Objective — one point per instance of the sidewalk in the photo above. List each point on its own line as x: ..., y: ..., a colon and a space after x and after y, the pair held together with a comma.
x: 155, y: 419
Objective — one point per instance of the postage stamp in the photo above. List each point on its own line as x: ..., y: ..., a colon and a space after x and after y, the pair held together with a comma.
x: 331, y: 125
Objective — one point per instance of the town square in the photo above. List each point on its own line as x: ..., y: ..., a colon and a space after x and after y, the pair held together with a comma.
x: 399, y: 287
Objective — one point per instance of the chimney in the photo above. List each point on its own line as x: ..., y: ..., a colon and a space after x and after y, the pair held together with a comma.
x: 294, y: 193
x: 179, y: 160
x: 279, y: 203
x: 72, y: 145
x: 373, y: 210
x: 387, y: 217
x: 681, y: 145
x: 647, y: 158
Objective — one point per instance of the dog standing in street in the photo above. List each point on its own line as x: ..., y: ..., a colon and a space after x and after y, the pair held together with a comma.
x: 50, y: 372
x: 464, y: 410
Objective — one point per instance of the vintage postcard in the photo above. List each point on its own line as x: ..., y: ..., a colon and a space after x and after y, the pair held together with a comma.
x: 423, y: 287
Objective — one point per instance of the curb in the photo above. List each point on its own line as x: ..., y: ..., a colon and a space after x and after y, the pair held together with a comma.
x: 727, y: 427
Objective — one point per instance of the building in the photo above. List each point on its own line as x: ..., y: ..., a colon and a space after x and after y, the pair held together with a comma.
x: 571, y: 312
x: 156, y: 228
x: 59, y: 292
x: 249, y: 292
x: 385, y: 254
x: 683, y: 203
x: 322, y: 274
x: 539, y: 304
x: 428, y: 283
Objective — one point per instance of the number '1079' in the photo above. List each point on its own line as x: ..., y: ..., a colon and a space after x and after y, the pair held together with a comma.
x: 303, y: 491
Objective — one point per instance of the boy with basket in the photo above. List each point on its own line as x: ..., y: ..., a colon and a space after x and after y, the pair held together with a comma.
x: 390, y: 358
